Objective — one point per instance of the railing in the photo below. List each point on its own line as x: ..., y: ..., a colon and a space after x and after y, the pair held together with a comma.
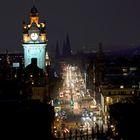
x: 85, y: 135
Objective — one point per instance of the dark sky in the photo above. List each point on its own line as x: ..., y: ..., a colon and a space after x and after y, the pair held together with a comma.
x: 88, y: 22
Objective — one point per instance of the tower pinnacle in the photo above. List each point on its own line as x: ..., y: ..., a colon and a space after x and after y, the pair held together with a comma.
x: 34, y: 11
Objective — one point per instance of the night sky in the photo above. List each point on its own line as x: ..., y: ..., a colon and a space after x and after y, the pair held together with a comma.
x: 88, y: 22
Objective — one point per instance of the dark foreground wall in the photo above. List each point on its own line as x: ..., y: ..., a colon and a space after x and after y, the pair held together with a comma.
x: 127, y: 119
x: 28, y: 120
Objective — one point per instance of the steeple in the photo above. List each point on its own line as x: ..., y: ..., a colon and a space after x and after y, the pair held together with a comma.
x: 57, y: 51
x: 66, y: 47
x: 34, y: 11
x: 34, y: 15
x: 100, y: 54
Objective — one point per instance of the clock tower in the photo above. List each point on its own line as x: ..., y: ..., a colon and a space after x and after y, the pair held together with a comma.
x: 34, y: 40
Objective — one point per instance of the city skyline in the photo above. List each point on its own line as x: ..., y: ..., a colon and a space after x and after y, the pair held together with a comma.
x: 114, y: 23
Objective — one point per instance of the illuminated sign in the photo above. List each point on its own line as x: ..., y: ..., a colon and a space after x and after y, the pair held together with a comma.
x: 16, y: 65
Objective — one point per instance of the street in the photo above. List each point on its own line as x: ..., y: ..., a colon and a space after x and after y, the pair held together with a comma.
x: 77, y: 110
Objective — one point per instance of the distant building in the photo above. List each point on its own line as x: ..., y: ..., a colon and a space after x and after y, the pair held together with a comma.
x: 99, y: 66
x: 37, y: 79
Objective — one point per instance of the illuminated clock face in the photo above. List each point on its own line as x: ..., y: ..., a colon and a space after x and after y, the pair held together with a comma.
x: 34, y: 36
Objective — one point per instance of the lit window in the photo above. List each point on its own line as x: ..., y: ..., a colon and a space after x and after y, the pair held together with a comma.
x: 134, y: 86
x: 15, y: 76
x: 109, y: 100
x: 125, y: 74
x: 121, y: 86
x: 133, y: 92
x: 124, y: 70
x: 29, y: 25
x: 25, y: 27
x: 42, y: 24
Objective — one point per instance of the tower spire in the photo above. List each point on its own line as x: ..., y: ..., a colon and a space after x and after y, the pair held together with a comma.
x: 34, y: 15
x: 34, y: 2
